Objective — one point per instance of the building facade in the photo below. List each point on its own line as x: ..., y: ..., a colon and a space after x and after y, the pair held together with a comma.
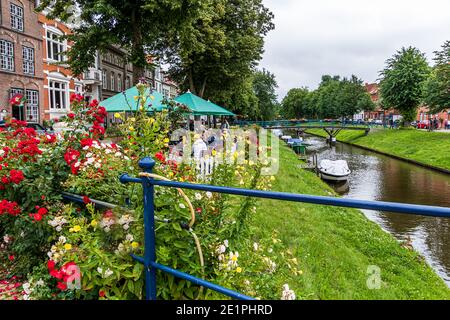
x: 378, y: 113
x: 21, y: 63
x: 59, y: 81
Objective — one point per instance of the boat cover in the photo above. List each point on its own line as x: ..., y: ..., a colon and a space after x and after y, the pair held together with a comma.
x: 335, y: 168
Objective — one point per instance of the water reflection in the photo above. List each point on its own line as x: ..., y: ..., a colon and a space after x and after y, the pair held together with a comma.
x: 377, y: 177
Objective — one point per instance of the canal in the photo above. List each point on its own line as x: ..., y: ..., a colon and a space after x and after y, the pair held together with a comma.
x: 378, y: 177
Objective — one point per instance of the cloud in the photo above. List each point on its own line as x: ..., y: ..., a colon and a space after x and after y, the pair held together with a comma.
x: 347, y: 37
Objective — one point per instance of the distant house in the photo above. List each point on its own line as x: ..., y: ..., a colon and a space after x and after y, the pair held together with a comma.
x: 378, y: 113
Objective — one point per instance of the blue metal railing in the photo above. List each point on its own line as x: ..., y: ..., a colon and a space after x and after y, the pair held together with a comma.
x: 149, y: 259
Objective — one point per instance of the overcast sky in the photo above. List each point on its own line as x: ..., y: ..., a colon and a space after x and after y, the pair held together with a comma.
x: 344, y: 37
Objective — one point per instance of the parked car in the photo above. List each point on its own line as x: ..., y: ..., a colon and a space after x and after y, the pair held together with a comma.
x: 423, y: 124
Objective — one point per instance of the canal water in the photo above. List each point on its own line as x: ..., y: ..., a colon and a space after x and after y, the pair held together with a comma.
x: 378, y: 177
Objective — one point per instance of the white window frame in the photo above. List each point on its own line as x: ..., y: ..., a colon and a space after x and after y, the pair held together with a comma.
x: 32, y: 106
x: 6, y: 55
x: 51, y: 40
x: 104, y: 80
x: 113, y: 82
x: 28, y: 60
x: 63, y: 94
x: 16, y: 14
x: 119, y: 82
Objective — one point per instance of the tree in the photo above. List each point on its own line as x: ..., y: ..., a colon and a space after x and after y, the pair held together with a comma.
x: 402, y: 82
x: 437, y: 87
x: 135, y: 25
x: 217, y: 53
x: 264, y: 85
x: 297, y: 104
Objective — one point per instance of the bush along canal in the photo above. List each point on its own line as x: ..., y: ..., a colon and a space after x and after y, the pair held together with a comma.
x: 342, y: 253
x: 383, y: 178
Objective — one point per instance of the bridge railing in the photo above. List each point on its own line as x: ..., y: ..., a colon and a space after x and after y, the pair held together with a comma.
x: 149, y: 260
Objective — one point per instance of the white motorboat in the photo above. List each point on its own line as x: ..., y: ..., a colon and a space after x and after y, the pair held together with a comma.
x: 277, y: 132
x: 286, y: 138
x: 334, y: 170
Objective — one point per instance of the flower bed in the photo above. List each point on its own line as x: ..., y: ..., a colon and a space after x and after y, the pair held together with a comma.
x: 68, y: 251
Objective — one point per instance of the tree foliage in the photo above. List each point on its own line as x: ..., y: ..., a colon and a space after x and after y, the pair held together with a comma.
x: 335, y: 97
x: 217, y: 53
x: 264, y: 85
x: 402, y: 81
x: 437, y: 87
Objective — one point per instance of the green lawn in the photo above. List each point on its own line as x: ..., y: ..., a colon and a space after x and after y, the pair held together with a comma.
x: 335, y: 246
x: 431, y: 148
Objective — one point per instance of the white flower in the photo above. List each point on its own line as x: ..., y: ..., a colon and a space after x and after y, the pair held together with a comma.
x: 182, y: 206
x: 255, y: 246
x: 88, y: 155
x: 287, y: 293
x: 108, y: 273
x: 86, y: 148
x: 129, y: 237
x: 117, y: 154
x: 107, y: 151
x: 225, y: 242
x: 198, y: 196
x: 208, y: 194
x: 62, y: 239
x: 40, y: 283
x: 97, y: 165
x: 100, y: 270
x: 221, y: 249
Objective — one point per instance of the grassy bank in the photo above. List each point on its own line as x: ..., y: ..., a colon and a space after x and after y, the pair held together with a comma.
x: 429, y: 148
x: 335, y: 246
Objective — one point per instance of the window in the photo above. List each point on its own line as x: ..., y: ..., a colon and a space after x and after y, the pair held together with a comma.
x: 16, y: 17
x: 58, y: 95
x: 113, y: 84
x: 28, y: 60
x: 119, y: 82
x: 55, y: 47
x: 14, y: 91
x: 32, y: 106
x: 127, y: 82
x: 104, y: 82
x: 165, y: 93
x: 6, y: 55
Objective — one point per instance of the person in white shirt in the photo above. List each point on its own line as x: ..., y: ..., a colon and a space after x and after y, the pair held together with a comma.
x: 199, y: 147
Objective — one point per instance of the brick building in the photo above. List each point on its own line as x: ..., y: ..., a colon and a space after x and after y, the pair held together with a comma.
x: 21, y: 63
x: 378, y: 113
x: 59, y: 82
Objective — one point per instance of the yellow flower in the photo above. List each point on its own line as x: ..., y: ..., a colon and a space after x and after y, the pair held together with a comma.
x: 117, y: 115
x: 166, y: 140
x: 272, y: 178
x: 134, y: 244
x: 131, y: 128
x: 133, y: 119
x: 214, y: 152
x: 76, y: 228
x: 71, y: 230
x: 152, y: 120
x: 68, y: 246
x: 94, y: 223
x: 238, y: 269
x: 152, y: 97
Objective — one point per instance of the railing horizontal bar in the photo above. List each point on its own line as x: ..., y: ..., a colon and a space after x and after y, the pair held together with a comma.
x: 201, y: 282
x: 77, y: 198
x: 331, y: 201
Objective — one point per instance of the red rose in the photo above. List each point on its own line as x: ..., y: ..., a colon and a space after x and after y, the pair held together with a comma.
x: 37, y: 217
x: 86, y: 199
x: 56, y: 274
x: 101, y: 293
x: 51, y: 265
x: 11, y: 258
x: 62, y: 286
x: 71, y: 115
x: 42, y: 211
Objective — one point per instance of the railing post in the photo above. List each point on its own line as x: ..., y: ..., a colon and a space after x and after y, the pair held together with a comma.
x: 147, y: 165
